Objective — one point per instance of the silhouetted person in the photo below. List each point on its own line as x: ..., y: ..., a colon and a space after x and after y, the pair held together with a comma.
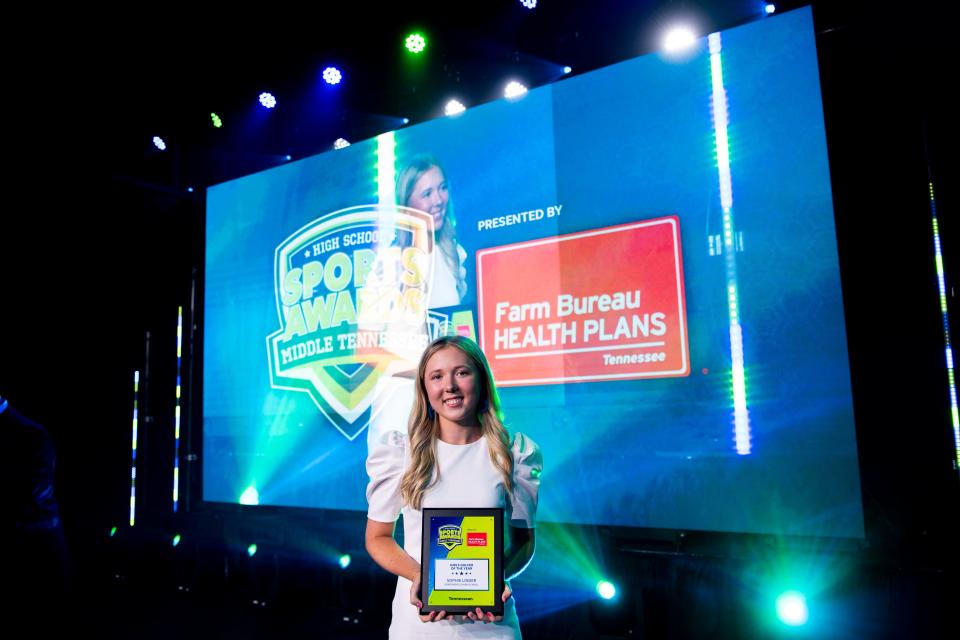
x: 31, y: 517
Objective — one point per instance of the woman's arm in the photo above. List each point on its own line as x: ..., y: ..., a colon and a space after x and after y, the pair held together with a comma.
x: 519, y: 551
x: 387, y: 553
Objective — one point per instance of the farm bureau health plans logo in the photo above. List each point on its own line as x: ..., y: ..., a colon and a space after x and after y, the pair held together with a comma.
x: 351, y: 290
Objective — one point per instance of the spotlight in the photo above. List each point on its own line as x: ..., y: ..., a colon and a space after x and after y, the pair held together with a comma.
x: 332, y: 75
x: 340, y: 143
x: 514, y: 90
x: 113, y: 531
x: 770, y: 8
x: 344, y: 561
x: 792, y: 608
x: 567, y: 70
x: 176, y: 540
x: 678, y: 39
x: 267, y: 100
x: 454, y: 107
x: 250, y: 496
x: 529, y: 4
x: 189, y: 189
x: 606, y: 589
x: 159, y: 143
x: 252, y: 550
x: 415, y: 43
x: 287, y: 158
x: 406, y: 121
x: 217, y: 122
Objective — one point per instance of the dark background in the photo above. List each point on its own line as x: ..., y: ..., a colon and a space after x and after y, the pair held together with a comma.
x: 100, y: 238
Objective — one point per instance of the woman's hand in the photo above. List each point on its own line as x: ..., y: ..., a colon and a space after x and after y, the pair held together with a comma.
x: 479, y: 616
x: 433, y: 616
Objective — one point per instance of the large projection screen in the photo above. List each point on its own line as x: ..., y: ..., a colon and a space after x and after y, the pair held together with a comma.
x: 646, y: 254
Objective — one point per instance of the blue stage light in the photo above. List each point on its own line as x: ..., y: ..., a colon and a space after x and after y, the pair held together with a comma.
x: 770, y: 8
x: 792, y: 608
x: 606, y: 589
x: 344, y: 561
x: 341, y: 143
x: 514, y: 90
x: 159, y: 143
x: 567, y: 70
x: 332, y: 75
x: 267, y: 100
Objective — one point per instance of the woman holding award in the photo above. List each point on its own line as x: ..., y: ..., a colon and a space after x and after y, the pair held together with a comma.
x: 457, y: 453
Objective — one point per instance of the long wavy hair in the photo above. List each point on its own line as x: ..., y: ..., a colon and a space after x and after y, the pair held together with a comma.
x: 446, y: 239
x: 424, y: 425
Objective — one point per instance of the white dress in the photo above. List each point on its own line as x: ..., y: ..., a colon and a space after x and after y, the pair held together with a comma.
x: 467, y: 479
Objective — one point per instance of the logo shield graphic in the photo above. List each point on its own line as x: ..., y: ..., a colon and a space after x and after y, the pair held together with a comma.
x: 449, y: 536
x: 351, y: 302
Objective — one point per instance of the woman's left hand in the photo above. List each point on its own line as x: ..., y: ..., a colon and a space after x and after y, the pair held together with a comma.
x: 480, y: 616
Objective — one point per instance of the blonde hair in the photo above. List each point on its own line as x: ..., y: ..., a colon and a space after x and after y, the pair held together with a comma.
x: 446, y: 239
x: 424, y: 425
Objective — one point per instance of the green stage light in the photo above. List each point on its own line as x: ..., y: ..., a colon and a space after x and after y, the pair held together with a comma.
x: 345, y: 561
x: 252, y: 550
x: 250, y: 496
x: 217, y: 122
x: 792, y: 608
x: 176, y: 540
x: 606, y: 589
x: 113, y: 531
x: 415, y: 43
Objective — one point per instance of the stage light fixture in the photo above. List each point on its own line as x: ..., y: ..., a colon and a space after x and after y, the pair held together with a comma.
x: 159, y: 143
x: 770, y: 8
x: 678, y: 39
x: 217, y: 122
x: 792, y: 608
x: 287, y: 158
x: 514, y: 90
x: 252, y: 550
x: 454, y: 107
x: 416, y: 43
x: 567, y: 70
x: 250, y: 496
x: 344, y: 561
x: 113, y: 531
x: 176, y: 540
x: 268, y: 100
x: 341, y: 143
x: 606, y: 589
x: 406, y: 121
x: 332, y: 75
x: 529, y: 4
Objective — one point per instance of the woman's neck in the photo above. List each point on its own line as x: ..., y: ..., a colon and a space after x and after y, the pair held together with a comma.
x: 453, y: 433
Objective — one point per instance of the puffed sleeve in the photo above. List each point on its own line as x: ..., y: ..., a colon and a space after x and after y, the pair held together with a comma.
x: 385, y: 468
x: 527, y: 467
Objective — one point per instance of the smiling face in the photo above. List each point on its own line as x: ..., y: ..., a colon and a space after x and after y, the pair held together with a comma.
x: 430, y: 194
x: 453, y: 387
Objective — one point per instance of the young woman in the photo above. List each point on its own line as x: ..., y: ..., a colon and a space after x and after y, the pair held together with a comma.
x: 457, y: 453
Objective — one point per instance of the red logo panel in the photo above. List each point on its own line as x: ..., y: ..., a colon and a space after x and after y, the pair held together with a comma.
x: 604, y: 304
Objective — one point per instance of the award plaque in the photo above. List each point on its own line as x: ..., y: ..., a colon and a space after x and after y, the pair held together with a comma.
x: 461, y: 561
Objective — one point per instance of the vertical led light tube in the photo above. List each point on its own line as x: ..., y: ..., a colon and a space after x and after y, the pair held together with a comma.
x: 741, y: 417
x: 951, y: 380
x: 133, y: 455
x: 176, y: 416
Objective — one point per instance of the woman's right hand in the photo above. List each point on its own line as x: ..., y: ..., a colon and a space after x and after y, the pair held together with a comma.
x: 433, y: 616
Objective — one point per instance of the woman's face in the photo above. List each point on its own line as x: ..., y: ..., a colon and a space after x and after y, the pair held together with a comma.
x: 453, y: 386
x: 430, y: 194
